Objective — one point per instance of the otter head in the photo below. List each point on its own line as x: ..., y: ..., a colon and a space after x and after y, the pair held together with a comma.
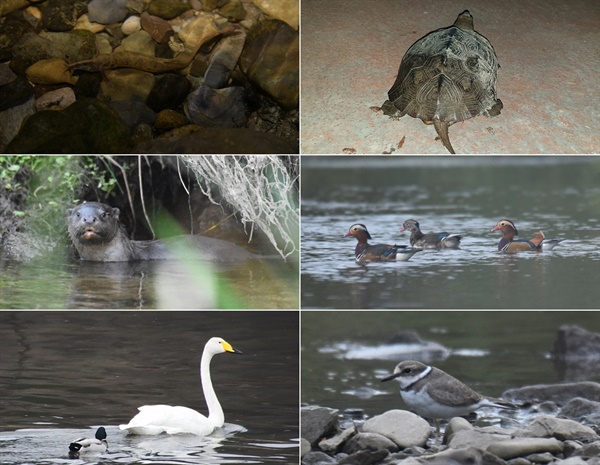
x: 93, y: 223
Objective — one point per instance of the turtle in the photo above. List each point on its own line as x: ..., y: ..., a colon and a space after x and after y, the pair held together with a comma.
x: 449, y: 75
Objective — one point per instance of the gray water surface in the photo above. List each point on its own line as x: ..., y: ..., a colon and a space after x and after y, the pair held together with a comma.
x: 464, y: 195
x: 345, y: 354
x: 63, y: 374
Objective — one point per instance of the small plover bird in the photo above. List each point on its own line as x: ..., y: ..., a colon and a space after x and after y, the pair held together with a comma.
x: 433, y: 393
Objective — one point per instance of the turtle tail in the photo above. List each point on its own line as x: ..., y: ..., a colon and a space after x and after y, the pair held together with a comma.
x: 441, y: 128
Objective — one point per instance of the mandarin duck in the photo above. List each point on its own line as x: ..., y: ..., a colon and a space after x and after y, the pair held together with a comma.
x: 441, y: 240
x: 510, y: 245
x: 98, y: 445
x: 365, y: 252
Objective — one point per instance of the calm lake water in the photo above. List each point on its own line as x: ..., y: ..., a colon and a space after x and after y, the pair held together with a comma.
x: 464, y: 195
x: 259, y: 284
x: 344, y: 353
x: 63, y: 374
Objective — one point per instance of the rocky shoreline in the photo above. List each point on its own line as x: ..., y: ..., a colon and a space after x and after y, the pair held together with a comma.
x: 120, y: 76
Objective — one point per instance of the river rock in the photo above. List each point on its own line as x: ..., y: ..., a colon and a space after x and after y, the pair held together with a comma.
x: 168, y: 9
x: 562, y: 429
x: 369, y: 441
x: 131, y: 25
x: 50, y: 71
x: 134, y: 112
x: 210, y: 107
x: 88, y: 85
x: 316, y: 422
x: 576, y: 353
x: 521, y: 447
x: 333, y: 444
x: 477, y: 438
x: 87, y: 126
x: 84, y: 23
x: 463, y: 456
x: 304, y: 447
x: 107, y: 11
x: 364, y: 457
x: 233, y: 10
x: 15, y: 93
x: 217, y: 140
x: 139, y: 42
x: 127, y: 84
x: 11, y: 120
x: 62, y: 15
x: 561, y: 394
x: 317, y: 457
x: 159, y: 29
x: 401, y: 426
x: 169, y: 119
x: 6, y: 76
x: 271, y: 61
x: 74, y: 45
x: 12, y: 30
x: 169, y: 91
x: 287, y: 11
x: 582, y: 410
x: 30, y: 49
x: 58, y: 99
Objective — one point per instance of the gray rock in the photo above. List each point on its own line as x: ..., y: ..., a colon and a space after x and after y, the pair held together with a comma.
x: 573, y: 461
x: 304, y: 447
x: 317, y: 422
x: 6, y: 75
x: 107, y: 11
x: 582, y: 410
x: 562, y: 429
x: 369, y: 441
x: 463, y: 456
x: 317, y: 458
x: 133, y: 112
x: 545, y: 457
x: 55, y: 99
x: 591, y: 450
x: 521, y: 447
x: 576, y: 353
x: 558, y: 393
x: 74, y: 45
x: 404, y: 428
x: 332, y: 445
x: 476, y: 438
x: 364, y: 457
x: 15, y: 93
x: 11, y: 120
x: 519, y: 461
x: 455, y: 425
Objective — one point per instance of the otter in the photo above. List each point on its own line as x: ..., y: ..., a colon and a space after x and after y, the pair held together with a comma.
x: 99, y: 236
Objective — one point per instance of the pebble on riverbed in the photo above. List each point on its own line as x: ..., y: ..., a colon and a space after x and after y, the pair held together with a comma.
x: 40, y: 42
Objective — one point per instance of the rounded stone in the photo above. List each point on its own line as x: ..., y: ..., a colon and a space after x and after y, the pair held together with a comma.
x: 58, y: 99
x: 159, y: 29
x: 138, y: 42
x: 287, y: 11
x: 15, y: 93
x: 127, y: 84
x: 131, y: 25
x: 6, y: 75
x: 168, y: 9
x: 62, y: 15
x: 107, y: 11
x: 169, y: 119
x: 50, y: 71
x: 271, y: 61
x: 169, y: 91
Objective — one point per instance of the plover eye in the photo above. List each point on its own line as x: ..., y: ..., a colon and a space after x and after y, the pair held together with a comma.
x: 407, y: 371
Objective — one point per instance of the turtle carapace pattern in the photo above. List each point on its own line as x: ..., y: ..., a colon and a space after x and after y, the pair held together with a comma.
x: 447, y: 76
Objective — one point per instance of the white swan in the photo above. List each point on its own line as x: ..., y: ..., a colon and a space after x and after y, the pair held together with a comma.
x: 157, y: 419
x: 98, y: 444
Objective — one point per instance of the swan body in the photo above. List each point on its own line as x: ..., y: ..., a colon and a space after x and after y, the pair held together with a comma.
x: 158, y: 419
x: 98, y: 444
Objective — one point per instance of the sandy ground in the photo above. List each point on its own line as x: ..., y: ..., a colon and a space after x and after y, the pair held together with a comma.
x: 549, y: 54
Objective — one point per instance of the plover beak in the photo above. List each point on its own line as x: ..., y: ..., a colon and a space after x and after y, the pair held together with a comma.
x: 390, y: 377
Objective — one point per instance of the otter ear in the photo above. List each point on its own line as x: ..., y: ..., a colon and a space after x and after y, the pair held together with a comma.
x: 115, y: 212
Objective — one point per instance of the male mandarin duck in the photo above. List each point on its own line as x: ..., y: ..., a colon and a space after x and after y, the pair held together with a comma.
x: 441, y: 240
x: 97, y: 445
x: 365, y: 252
x: 510, y: 245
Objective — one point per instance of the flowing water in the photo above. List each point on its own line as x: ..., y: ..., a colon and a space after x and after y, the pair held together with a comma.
x: 259, y: 284
x: 345, y: 354
x: 464, y: 195
x: 63, y: 374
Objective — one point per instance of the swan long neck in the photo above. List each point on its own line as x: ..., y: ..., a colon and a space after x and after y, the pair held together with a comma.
x: 215, y: 411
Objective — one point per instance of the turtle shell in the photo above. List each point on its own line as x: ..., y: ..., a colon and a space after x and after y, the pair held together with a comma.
x: 447, y: 76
